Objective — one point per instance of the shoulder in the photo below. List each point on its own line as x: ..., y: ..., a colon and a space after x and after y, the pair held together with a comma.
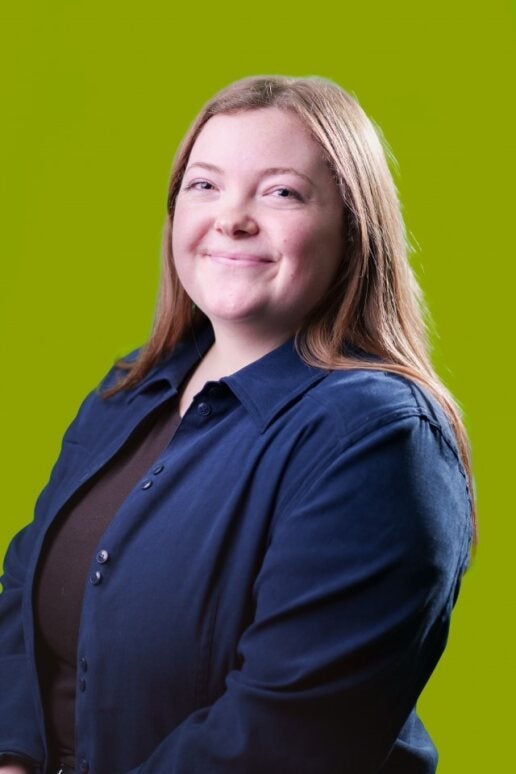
x: 378, y: 454
x: 359, y: 402
x: 93, y: 410
x: 117, y: 370
x: 386, y: 433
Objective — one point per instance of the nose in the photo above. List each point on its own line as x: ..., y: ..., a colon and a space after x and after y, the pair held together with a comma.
x: 235, y: 220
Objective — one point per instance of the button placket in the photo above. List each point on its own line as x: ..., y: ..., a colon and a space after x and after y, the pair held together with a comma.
x: 217, y: 391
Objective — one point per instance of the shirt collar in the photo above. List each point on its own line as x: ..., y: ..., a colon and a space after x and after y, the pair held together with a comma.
x: 263, y: 387
x: 268, y: 385
x: 175, y: 367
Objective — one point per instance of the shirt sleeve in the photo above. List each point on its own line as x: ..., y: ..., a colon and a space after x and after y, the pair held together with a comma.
x: 20, y: 729
x: 352, y: 609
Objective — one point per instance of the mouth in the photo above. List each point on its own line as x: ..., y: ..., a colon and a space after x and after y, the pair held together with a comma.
x: 238, y: 258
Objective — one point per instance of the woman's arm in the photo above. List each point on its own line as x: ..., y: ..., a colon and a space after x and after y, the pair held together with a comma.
x: 19, y: 724
x: 352, y: 608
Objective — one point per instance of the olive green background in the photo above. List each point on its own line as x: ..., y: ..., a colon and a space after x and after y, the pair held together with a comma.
x: 95, y: 97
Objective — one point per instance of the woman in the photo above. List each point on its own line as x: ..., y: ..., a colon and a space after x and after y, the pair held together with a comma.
x: 248, y: 551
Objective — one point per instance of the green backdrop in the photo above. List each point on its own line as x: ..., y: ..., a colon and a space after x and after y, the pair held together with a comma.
x: 95, y: 97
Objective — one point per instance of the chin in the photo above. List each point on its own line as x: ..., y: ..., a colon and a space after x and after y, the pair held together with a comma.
x: 224, y: 309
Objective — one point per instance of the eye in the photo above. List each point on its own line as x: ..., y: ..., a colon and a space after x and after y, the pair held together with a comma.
x: 199, y: 185
x: 286, y: 193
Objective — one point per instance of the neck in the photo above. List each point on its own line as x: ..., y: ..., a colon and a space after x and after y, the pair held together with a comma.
x: 234, y: 348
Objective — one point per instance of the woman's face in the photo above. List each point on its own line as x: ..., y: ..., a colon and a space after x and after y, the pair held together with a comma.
x: 258, y: 222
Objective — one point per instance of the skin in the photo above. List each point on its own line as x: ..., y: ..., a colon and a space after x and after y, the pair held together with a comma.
x: 255, y: 249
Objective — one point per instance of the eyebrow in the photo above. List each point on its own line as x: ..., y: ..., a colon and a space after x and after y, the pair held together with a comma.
x: 263, y: 172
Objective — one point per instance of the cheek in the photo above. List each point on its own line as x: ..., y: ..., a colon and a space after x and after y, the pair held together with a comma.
x: 187, y: 229
x: 315, y: 256
x: 298, y: 249
x: 305, y: 235
x: 313, y: 250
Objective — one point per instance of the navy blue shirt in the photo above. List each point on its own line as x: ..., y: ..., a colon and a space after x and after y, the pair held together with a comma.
x: 275, y: 591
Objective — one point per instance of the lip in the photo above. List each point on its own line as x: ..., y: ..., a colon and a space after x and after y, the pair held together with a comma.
x: 240, y: 259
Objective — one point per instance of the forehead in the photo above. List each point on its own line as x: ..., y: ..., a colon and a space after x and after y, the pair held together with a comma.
x: 264, y: 137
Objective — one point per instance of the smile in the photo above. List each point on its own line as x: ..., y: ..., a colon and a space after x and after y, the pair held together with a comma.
x: 238, y: 259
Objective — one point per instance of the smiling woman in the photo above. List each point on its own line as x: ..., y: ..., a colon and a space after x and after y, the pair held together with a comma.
x: 279, y: 467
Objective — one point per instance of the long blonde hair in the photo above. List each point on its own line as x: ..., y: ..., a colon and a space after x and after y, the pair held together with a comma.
x: 375, y: 303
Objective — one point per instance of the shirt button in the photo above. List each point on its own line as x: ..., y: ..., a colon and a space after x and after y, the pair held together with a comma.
x: 96, y: 578
x: 84, y: 766
x: 158, y: 469
x: 147, y: 484
x: 102, y: 556
x: 83, y: 664
x: 204, y: 409
x: 82, y: 684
